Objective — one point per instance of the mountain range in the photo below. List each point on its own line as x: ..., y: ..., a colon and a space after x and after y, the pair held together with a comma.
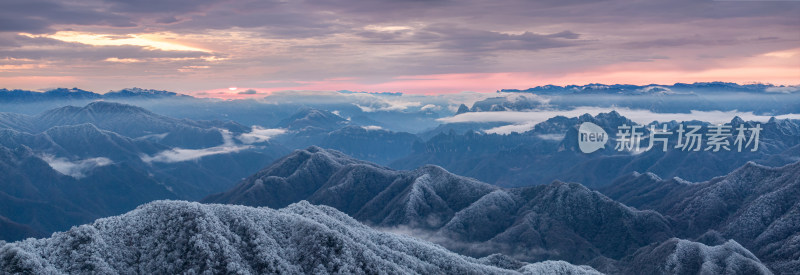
x: 629, y: 89
x: 550, y: 152
x: 361, y: 139
x: 755, y: 205
x: 23, y: 96
x: 69, y: 165
x: 764, y: 99
x: 449, y: 199
x: 127, y: 120
x: 557, y: 221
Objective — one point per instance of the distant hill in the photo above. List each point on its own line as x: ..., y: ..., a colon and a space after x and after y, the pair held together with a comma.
x: 677, y: 98
x: 550, y: 152
x: 626, y: 89
x: 25, y: 96
x: 128, y: 120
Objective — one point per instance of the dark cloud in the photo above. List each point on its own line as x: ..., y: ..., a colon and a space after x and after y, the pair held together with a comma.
x: 37, y: 16
x: 451, y: 38
x: 381, y: 39
x: 319, y: 18
x: 161, y: 6
x: 681, y: 41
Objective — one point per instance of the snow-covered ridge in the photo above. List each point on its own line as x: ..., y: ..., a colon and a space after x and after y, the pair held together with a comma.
x: 172, y: 237
x: 460, y: 213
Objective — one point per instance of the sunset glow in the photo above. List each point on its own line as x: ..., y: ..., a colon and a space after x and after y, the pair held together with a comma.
x: 421, y: 48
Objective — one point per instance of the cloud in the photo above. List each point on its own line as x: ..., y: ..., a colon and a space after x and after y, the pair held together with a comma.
x: 76, y: 169
x: 39, y: 16
x: 387, y: 106
x: 525, y: 120
x: 258, y: 134
x: 67, y: 47
x: 513, y: 128
x: 308, y: 42
x: 248, y: 92
x: 783, y: 89
x: 475, y: 248
x: 180, y: 154
x: 431, y: 107
x: 555, y: 137
x: 372, y: 128
x: 367, y: 102
x: 453, y: 38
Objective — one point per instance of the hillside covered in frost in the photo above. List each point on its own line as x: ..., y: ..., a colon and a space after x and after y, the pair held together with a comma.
x: 561, y: 221
x: 755, y: 205
x: 173, y: 237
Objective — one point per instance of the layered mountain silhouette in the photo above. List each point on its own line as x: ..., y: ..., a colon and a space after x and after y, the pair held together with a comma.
x: 557, y: 221
x: 369, y: 142
x: 550, y: 152
x: 74, y: 171
x: 25, y: 96
x: 676, y: 98
x: 757, y: 206
x: 20, y: 96
x: 127, y: 120
x: 186, y: 179
x: 629, y: 89
x: 562, y: 221
x: 42, y: 200
x: 171, y: 237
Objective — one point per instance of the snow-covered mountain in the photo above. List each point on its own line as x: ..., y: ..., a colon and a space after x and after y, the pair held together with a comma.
x: 172, y: 237
x: 24, y: 96
x: 757, y: 206
x: 135, y: 122
x: 75, y: 94
x: 677, y: 256
x: 310, y: 119
x: 680, y: 97
x: 556, y: 221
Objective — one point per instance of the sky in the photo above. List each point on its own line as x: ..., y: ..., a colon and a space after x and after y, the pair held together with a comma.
x: 234, y: 49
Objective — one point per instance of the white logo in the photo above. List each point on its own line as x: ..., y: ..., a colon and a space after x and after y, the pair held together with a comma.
x: 591, y: 137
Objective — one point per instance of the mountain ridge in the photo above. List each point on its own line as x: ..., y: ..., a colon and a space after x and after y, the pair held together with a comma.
x: 431, y: 199
x: 300, y: 238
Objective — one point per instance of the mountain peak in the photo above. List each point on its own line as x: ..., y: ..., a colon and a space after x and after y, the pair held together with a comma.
x: 73, y: 93
x: 141, y: 93
x: 312, y: 118
x: 462, y: 109
x: 314, y: 149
